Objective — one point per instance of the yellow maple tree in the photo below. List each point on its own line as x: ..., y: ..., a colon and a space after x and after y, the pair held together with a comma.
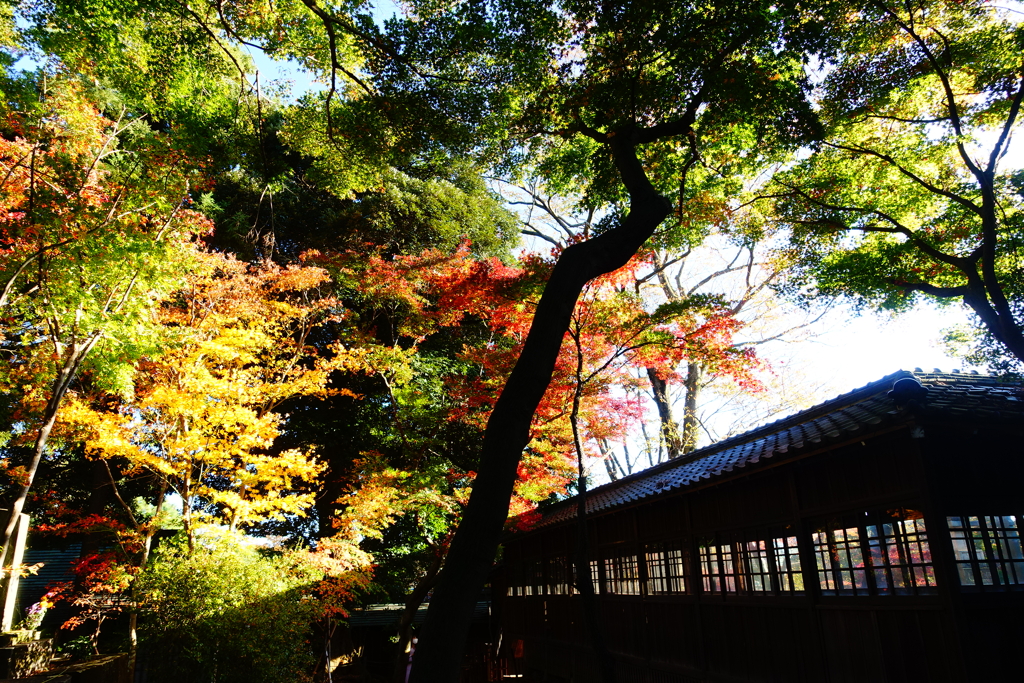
x: 203, y: 416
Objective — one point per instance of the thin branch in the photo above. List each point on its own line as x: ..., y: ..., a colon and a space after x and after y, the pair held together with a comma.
x: 213, y: 36
x: 1004, y: 135
x: 951, y: 105
x: 537, y: 233
x: 905, y: 120
x: 955, y: 261
x: 117, y: 494
x: 963, y: 201
x: 941, y: 292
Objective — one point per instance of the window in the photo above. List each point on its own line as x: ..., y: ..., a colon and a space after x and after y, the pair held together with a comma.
x: 666, y: 569
x: 762, y: 563
x: 837, y: 553
x: 533, y: 573
x: 787, y: 564
x: 515, y: 580
x: 987, y: 551
x: 595, y: 576
x: 622, y: 576
x: 754, y: 561
x: 558, y: 576
x: 900, y: 557
x: 717, y: 568
x: 885, y: 553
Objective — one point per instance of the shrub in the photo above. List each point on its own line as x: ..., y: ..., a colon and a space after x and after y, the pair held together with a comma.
x: 226, y: 612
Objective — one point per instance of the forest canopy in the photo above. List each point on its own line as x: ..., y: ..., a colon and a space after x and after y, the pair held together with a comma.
x: 312, y: 321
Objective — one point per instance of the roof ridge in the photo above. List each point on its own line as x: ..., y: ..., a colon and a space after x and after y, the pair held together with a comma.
x: 800, y: 420
x: 795, y: 419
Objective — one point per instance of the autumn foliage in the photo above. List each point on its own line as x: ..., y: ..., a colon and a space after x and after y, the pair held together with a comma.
x: 178, y: 375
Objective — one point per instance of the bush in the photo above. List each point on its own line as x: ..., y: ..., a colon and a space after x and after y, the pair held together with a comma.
x: 225, y: 612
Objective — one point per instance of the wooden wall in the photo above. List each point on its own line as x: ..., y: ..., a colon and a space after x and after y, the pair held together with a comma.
x: 935, y: 632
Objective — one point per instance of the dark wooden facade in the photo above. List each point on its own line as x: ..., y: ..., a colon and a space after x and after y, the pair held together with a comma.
x: 861, y: 541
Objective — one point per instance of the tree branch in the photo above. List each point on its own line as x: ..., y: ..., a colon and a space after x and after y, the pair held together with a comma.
x: 963, y: 201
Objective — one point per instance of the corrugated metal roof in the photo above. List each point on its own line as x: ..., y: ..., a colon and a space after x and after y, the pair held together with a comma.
x: 862, y: 410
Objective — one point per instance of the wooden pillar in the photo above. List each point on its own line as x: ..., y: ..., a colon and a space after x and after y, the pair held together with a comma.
x: 13, y: 576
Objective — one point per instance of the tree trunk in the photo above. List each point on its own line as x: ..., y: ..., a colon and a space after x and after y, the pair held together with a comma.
x: 669, y: 427
x: 73, y: 358
x: 612, y: 465
x: 412, y: 604
x: 438, y: 656
x: 99, y: 495
x: 694, y: 381
x: 588, y: 591
x: 147, y: 543
x: 186, y: 509
x: 584, y: 577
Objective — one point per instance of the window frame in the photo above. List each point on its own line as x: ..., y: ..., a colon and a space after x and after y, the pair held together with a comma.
x: 990, y: 536
x: 880, y: 552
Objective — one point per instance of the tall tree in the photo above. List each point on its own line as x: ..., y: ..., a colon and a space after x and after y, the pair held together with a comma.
x: 201, y: 417
x: 911, y: 194
x: 609, y: 93
x: 712, y: 257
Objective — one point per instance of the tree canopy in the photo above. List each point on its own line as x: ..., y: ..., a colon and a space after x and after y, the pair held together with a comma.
x: 910, y: 193
x: 312, y: 320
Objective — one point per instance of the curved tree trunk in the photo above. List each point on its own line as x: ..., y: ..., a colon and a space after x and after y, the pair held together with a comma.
x: 439, y: 654
x: 73, y: 357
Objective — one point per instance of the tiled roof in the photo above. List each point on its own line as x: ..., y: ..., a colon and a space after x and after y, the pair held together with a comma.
x: 863, y: 410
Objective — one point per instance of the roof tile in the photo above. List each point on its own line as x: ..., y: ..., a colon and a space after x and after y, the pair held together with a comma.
x: 953, y: 394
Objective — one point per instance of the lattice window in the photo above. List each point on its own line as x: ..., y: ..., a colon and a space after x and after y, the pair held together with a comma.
x: 515, y: 580
x: 595, y: 575
x: 558, y: 576
x: 840, y: 561
x: 718, y: 568
x: 534, y: 577
x: 622, y: 575
x: 756, y: 573
x: 900, y: 557
x: 988, y: 551
x: 881, y: 554
x: 666, y: 570
x: 786, y: 553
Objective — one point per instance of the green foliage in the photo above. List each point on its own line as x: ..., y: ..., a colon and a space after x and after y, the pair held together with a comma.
x: 100, y: 232
x: 77, y: 648
x: 226, y: 612
x: 153, y: 58
x: 440, y: 212
x: 908, y: 197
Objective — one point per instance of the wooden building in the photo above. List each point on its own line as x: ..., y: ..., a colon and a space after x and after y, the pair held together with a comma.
x: 873, y: 538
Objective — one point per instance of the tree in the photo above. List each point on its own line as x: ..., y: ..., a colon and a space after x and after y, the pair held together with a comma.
x: 94, y: 234
x: 610, y: 330
x: 711, y: 259
x: 438, y: 333
x: 570, y: 80
x: 910, y: 194
x: 202, y: 417
x: 226, y: 611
